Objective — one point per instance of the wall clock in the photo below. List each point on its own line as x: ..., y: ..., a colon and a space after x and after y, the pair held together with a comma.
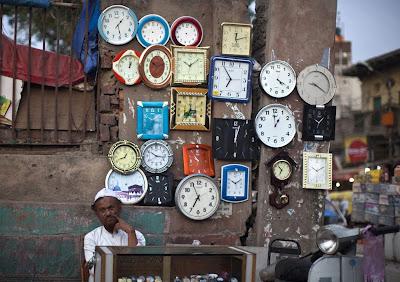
x: 155, y: 66
x: 197, y: 158
x: 319, y: 123
x: 317, y: 170
x: 152, y: 120
x: 230, y: 79
x: 190, y: 109
x: 234, y: 183
x: 278, y: 79
x: 234, y: 139
x: 282, y: 167
x: 160, y: 191
x: 153, y: 29
x: 125, y: 66
x: 129, y: 188
x: 186, y: 31
x: 124, y: 157
x: 316, y: 85
x: 275, y: 125
x: 157, y: 156
x: 117, y: 24
x: 197, y: 196
x: 236, y: 39
x: 189, y: 65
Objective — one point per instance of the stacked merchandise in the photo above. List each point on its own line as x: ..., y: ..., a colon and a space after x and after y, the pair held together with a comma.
x: 376, y: 203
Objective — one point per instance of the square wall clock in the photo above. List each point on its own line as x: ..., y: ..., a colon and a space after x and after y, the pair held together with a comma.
x: 197, y: 158
x: 317, y: 170
x: 234, y: 183
x: 319, y: 123
x: 190, y: 109
x: 152, y: 120
x: 236, y: 39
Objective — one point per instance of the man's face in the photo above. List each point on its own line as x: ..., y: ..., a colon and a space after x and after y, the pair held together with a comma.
x: 106, y: 209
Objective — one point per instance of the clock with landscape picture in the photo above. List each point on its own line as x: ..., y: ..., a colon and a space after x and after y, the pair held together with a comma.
x: 319, y: 123
x: 152, y: 120
x: 234, y: 139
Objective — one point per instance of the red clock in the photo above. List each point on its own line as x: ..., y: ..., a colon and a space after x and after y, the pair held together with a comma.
x: 186, y: 31
x: 197, y: 158
x: 126, y: 67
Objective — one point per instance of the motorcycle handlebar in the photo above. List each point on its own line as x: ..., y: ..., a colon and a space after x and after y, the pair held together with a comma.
x: 385, y: 229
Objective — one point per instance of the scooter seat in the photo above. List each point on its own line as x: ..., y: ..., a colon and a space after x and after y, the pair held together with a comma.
x: 293, y: 269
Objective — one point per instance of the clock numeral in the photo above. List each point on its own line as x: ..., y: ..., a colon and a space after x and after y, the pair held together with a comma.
x: 187, y: 190
x: 185, y: 204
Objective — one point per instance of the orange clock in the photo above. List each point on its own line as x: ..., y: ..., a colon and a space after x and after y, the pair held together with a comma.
x: 197, y: 158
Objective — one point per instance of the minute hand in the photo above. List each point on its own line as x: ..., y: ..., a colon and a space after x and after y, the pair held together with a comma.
x: 316, y: 85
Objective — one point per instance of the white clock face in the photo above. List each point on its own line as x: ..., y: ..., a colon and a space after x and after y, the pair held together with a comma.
x: 275, y: 125
x: 316, y: 85
x: 153, y: 32
x: 117, y: 24
x: 317, y: 168
x: 236, y: 186
x: 129, y: 188
x: 317, y: 172
x: 128, y: 68
x: 197, y: 196
x: 156, y: 156
x: 282, y: 169
x: 190, y: 67
x: 278, y: 79
x: 157, y: 67
x: 231, y: 79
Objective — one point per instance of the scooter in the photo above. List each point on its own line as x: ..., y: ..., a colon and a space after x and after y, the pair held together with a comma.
x: 334, y: 261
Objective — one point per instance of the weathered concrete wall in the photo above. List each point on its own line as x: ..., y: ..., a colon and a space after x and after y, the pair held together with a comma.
x: 296, y: 32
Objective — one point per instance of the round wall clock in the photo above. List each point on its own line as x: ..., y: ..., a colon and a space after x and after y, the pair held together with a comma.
x: 157, y: 156
x: 155, y: 66
x: 130, y: 188
x: 186, y: 31
x: 316, y: 85
x: 275, y: 125
x: 124, y: 157
x: 278, y: 79
x: 117, y: 24
x: 126, y: 67
x: 197, y: 196
x: 281, y: 169
x: 153, y: 29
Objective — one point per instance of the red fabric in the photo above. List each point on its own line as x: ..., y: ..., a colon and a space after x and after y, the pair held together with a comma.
x: 50, y: 63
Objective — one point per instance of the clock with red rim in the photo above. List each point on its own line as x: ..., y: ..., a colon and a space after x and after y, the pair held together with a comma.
x: 155, y: 66
x: 126, y: 67
x: 186, y: 31
x: 197, y: 158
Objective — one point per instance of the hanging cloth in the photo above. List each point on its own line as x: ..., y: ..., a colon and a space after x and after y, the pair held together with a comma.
x: 28, y: 3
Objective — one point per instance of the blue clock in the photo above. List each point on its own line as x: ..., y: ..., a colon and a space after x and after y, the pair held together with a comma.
x: 230, y: 79
x: 153, y: 29
x: 234, y: 183
x: 152, y: 120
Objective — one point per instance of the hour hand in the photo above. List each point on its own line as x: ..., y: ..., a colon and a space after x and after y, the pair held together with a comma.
x: 280, y: 82
x: 317, y: 86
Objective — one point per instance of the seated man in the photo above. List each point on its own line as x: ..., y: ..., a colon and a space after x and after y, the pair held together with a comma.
x: 113, y: 232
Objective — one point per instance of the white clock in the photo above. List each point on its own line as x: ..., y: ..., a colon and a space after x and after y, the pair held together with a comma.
x: 125, y: 66
x: 316, y: 85
x: 129, y: 188
x: 117, y: 24
x: 197, y: 196
x: 157, y: 156
x: 153, y: 29
x: 230, y: 79
x: 275, y: 125
x: 234, y: 183
x: 317, y: 170
x: 278, y: 79
x: 186, y: 31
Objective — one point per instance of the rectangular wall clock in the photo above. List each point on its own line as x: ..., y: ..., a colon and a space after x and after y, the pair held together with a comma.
x: 317, y: 170
x: 152, y: 120
x: 319, y: 123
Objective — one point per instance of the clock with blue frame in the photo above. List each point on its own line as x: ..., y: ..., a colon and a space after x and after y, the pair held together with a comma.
x: 235, y: 183
x: 153, y: 29
x: 152, y: 120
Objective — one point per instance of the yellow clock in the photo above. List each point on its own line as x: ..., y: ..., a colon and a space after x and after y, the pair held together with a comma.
x: 190, y: 65
x: 190, y: 109
x: 236, y: 39
x: 124, y: 156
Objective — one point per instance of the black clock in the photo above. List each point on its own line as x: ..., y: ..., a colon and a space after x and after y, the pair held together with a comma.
x: 319, y: 123
x: 234, y: 139
x: 160, y: 190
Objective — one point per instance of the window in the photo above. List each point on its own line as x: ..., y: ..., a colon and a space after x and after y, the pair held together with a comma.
x: 376, y: 116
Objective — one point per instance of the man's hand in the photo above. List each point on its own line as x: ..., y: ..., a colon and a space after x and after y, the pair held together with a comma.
x: 122, y: 225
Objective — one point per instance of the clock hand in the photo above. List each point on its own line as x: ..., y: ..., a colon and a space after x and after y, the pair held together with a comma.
x: 123, y: 157
x: 187, y: 64
x: 276, y: 123
x: 314, y: 168
x: 236, y: 37
x: 193, y: 62
x: 227, y: 72
x: 317, y: 86
x: 320, y: 168
x: 195, y: 201
x: 236, y: 134
x: 240, y: 38
x: 319, y: 121
x: 280, y: 82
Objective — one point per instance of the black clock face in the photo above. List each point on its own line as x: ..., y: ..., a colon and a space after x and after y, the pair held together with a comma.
x: 319, y: 123
x: 234, y: 139
x: 160, y: 190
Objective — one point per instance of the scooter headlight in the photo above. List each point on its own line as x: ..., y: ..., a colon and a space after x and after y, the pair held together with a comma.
x: 327, y: 241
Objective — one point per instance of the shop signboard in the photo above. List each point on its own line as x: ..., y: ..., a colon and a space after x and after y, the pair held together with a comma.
x: 356, y: 149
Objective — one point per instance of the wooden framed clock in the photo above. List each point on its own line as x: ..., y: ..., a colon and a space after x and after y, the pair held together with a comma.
x: 319, y: 123
x: 125, y: 66
x: 189, y: 65
x: 155, y: 65
x: 152, y: 120
x: 236, y: 39
x: 282, y: 167
x: 197, y: 158
x: 190, y: 109
x: 186, y: 31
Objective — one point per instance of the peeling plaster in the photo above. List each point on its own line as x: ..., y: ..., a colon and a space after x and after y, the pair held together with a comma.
x: 238, y: 114
x: 300, y: 202
x: 310, y: 146
x: 131, y: 108
x: 123, y: 118
x: 298, y: 230
x: 316, y: 227
x: 290, y: 212
x: 287, y: 229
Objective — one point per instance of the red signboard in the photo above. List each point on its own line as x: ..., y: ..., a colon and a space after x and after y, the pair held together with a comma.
x: 356, y: 149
